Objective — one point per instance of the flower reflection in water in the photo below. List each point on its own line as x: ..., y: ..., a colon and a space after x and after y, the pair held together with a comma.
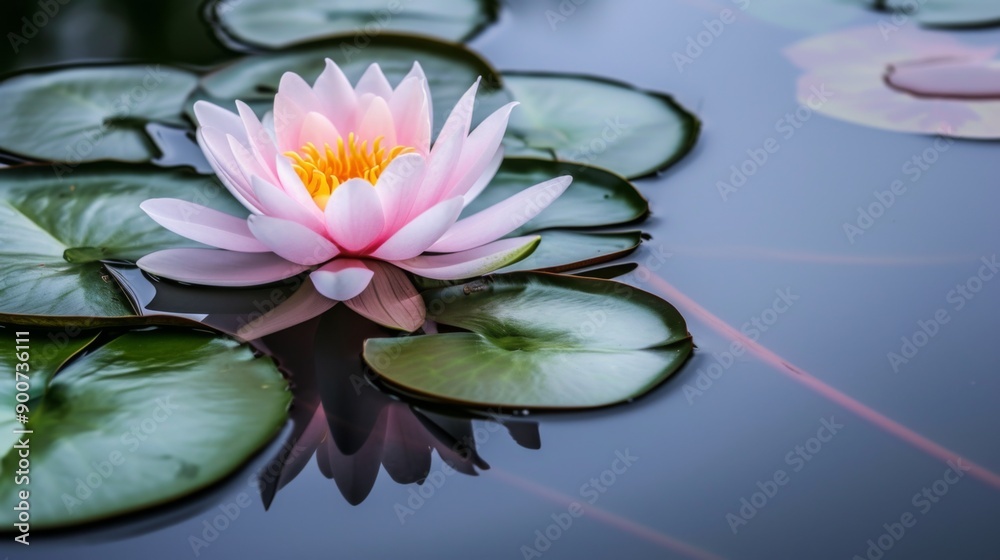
x: 352, y: 427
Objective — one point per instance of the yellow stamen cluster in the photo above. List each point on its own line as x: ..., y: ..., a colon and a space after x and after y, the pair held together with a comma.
x: 324, y: 171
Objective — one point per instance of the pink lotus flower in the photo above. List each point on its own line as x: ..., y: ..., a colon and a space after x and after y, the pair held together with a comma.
x: 902, y: 79
x: 343, y: 181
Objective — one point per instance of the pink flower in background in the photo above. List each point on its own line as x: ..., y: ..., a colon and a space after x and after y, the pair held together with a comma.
x: 344, y: 181
x: 902, y: 79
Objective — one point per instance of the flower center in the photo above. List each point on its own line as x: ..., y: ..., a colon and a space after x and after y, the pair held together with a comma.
x: 322, y: 171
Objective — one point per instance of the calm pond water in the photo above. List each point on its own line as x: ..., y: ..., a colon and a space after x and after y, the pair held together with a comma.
x: 757, y: 461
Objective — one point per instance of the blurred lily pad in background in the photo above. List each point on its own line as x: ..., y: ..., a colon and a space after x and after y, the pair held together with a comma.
x: 91, y: 113
x: 274, y: 25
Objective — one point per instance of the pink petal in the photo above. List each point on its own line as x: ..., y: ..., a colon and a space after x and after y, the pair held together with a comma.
x: 203, y: 225
x: 277, y: 203
x: 220, y: 156
x: 319, y: 131
x: 354, y: 215
x: 336, y: 96
x: 216, y: 267
x: 288, y: 117
x: 390, y: 299
x: 291, y: 183
x: 303, y: 305
x: 484, y: 180
x: 415, y: 237
x: 342, y: 279
x: 292, y: 240
x: 259, y: 140
x: 460, y: 118
x: 479, y: 149
x: 501, y: 218
x: 471, y: 263
x: 396, y: 189
x: 374, y: 81
x: 211, y: 115
x: 248, y: 165
x: 295, y: 89
x: 410, y: 109
x: 376, y: 123
x: 443, y: 159
x: 417, y: 71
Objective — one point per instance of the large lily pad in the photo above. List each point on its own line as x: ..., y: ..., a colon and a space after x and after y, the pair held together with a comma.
x: 148, y: 418
x: 451, y: 69
x: 43, y: 354
x: 537, y: 341
x: 281, y: 24
x: 57, y: 230
x: 599, y: 122
x: 90, y: 113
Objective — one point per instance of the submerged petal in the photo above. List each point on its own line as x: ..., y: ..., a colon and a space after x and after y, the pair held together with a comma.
x: 303, y: 305
x: 390, y: 299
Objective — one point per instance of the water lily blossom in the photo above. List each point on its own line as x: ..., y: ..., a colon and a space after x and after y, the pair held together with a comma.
x: 344, y: 182
x: 904, y: 79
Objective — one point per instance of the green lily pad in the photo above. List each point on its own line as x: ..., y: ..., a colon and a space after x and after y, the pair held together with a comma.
x: 563, y: 250
x: 450, y: 68
x: 90, y: 113
x: 537, y: 341
x: 596, y: 198
x: 58, y: 229
x: 599, y: 122
x: 276, y: 25
x: 146, y: 419
x: 44, y: 354
x: 948, y: 13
